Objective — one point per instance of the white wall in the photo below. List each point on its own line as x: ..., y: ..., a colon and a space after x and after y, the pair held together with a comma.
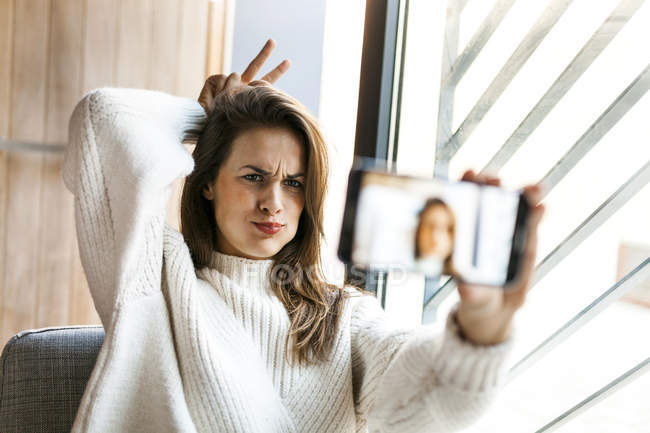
x: 297, y: 27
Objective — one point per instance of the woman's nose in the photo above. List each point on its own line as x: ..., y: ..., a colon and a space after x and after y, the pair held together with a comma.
x: 439, y: 236
x: 270, y: 200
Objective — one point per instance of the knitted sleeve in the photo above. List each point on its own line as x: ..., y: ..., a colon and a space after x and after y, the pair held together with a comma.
x: 416, y: 380
x: 124, y: 152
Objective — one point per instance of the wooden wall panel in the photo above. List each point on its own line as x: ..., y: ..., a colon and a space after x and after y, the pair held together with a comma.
x: 30, y: 54
x: 64, y: 67
x: 165, y: 23
x: 193, y: 47
x: 134, y: 43
x: 57, y: 216
x: 216, y: 36
x: 6, y: 48
x: 52, y: 52
x: 99, y: 44
x: 27, y: 122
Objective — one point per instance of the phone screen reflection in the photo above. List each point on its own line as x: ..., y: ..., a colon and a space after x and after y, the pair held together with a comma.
x: 435, y: 228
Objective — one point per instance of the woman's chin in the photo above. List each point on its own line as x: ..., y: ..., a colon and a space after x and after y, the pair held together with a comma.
x: 261, y: 252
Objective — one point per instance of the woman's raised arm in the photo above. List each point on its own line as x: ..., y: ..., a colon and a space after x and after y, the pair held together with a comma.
x: 124, y: 151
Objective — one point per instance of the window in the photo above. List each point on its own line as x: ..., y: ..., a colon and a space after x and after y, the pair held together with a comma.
x: 534, y: 91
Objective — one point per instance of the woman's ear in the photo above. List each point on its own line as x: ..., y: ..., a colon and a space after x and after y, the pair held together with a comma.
x: 208, y: 191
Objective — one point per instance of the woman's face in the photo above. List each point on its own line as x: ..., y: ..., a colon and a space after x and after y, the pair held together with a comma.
x: 435, y: 235
x: 261, y: 181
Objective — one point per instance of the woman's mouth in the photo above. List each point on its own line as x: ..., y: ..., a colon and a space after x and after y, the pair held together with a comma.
x: 269, y: 228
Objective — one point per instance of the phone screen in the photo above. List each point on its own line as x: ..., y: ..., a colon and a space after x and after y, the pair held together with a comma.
x: 434, y: 227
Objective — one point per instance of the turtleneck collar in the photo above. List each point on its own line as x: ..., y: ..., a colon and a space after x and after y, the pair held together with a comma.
x: 242, y: 271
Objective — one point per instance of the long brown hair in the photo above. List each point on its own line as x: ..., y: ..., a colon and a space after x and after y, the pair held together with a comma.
x: 297, y: 279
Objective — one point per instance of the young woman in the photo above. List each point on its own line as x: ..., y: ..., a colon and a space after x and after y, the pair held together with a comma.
x: 231, y: 326
x: 434, y: 238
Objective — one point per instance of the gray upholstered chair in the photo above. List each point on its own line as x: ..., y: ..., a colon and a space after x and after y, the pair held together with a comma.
x: 43, y: 374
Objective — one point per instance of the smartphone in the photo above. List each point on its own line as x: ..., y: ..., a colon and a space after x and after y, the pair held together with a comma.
x: 475, y: 233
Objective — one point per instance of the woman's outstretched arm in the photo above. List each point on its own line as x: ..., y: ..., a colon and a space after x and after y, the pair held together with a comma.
x: 124, y: 151
x: 420, y: 381
x: 416, y: 380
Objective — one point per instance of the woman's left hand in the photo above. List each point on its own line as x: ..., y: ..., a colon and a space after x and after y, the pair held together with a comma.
x: 485, y: 314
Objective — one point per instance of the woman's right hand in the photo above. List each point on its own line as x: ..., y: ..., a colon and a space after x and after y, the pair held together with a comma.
x: 216, y: 84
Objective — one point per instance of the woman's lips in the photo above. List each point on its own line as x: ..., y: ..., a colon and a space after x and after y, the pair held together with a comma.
x: 268, y: 228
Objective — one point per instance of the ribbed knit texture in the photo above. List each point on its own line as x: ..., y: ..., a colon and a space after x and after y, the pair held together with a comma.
x: 203, y: 350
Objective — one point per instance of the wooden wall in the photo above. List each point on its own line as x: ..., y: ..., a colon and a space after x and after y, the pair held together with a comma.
x: 51, y: 53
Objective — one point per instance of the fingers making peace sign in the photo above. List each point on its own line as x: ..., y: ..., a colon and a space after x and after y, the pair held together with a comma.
x: 216, y: 84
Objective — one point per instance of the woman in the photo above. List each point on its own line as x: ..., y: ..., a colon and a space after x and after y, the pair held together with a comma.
x: 230, y: 325
x: 434, y: 238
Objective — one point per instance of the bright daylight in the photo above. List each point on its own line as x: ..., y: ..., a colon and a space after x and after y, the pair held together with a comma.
x: 324, y: 216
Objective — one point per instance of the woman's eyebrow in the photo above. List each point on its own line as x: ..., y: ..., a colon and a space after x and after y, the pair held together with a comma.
x: 264, y: 172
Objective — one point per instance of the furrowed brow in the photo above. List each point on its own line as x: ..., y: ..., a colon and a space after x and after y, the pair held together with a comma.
x: 264, y: 172
x: 256, y: 169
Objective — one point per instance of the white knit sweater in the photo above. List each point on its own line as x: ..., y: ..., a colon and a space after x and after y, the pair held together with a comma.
x: 202, y: 350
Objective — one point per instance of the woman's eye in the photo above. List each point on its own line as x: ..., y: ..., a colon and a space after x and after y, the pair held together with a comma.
x: 294, y: 183
x: 252, y: 177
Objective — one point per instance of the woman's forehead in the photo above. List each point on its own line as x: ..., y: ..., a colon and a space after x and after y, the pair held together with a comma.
x: 437, y: 212
x: 271, y: 149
